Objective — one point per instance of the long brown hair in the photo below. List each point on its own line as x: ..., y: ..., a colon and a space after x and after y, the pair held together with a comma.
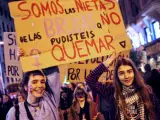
x: 143, y: 90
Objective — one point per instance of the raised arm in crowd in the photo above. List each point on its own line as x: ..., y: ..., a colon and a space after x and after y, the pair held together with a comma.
x: 42, y: 90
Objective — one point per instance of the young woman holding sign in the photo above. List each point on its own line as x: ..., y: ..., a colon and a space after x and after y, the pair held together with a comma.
x: 133, y: 100
x: 42, y: 89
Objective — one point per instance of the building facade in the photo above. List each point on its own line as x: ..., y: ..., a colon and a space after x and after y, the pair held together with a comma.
x: 6, y: 25
x: 142, y: 21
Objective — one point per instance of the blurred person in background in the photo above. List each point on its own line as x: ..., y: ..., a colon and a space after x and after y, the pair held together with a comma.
x: 104, y: 101
x: 6, y: 105
x: 20, y: 98
x: 1, y: 103
x: 147, y: 73
x: 66, y: 97
x: 1, y: 100
x: 87, y: 88
x: 154, y: 82
x: 81, y: 108
x: 72, y: 86
x: 141, y: 72
x: 81, y: 85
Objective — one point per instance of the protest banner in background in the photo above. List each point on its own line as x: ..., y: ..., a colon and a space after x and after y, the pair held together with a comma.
x: 77, y: 72
x: 55, y: 32
x: 12, y: 63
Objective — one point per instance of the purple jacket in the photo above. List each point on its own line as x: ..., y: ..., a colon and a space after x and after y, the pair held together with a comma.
x: 49, y: 102
x: 108, y: 91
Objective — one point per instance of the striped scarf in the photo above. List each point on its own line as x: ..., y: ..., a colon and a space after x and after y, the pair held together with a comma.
x: 134, y: 108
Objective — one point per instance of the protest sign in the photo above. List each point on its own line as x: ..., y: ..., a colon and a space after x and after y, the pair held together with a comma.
x: 12, y: 63
x: 64, y: 31
x: 77, y: 72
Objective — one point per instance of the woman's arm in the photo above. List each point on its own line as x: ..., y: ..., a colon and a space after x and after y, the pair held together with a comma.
x: 53, y: 77
x: 92, y: 78
x: 95, y: 85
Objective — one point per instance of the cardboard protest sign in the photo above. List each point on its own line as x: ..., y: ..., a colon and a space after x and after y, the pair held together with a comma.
x: 12, y: 63
x: 77, y: 72
x: 64, y: 31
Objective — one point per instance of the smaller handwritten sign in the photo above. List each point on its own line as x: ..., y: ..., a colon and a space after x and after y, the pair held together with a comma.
x: 77, y: 72
x: 12, y: 63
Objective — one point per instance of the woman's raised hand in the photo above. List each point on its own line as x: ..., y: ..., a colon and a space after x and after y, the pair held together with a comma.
x: 109, y: 61
x: 20, y: 52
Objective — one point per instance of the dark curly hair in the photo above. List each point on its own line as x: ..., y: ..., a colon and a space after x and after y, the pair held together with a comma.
x: 27, y: 77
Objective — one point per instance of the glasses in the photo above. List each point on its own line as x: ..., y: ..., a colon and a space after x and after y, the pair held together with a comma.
x: 80, y: 94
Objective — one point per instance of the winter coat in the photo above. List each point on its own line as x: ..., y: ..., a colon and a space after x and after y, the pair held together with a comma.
x: 75, y: 110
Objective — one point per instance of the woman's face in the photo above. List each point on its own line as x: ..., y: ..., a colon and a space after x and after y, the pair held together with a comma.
x: 126, y: 75
x: 36, y: 85
x: 5, y: 98
x: 80, y: 95
x: 20, y: 98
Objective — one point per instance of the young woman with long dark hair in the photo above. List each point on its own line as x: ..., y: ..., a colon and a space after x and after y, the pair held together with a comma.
x: 133, y: 99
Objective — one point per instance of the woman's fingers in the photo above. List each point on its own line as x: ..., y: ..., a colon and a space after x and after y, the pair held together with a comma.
x: 20, y: 52
x: 109, y: 61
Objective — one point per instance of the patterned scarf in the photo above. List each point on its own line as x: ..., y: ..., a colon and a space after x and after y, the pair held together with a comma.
x: 134, y: 108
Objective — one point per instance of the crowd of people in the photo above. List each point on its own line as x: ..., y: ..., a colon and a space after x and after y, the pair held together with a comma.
x: 130, y: 96
x: 6, y: 102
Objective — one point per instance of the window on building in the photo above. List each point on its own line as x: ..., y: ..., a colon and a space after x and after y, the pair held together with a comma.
x: 156, y: 27
x: 141, y: 38
x: 3, y: 27
x: 8, y: 28
x: 123, y: 11
x: 1, y: 11
x: 135, y: 39
x: 148, y: 34
x: 135, y: 9
x: 10, y: 17
x: 6, y: 14
x: 0, y: 29
x: 12, y: 80
x: 11, y: 29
